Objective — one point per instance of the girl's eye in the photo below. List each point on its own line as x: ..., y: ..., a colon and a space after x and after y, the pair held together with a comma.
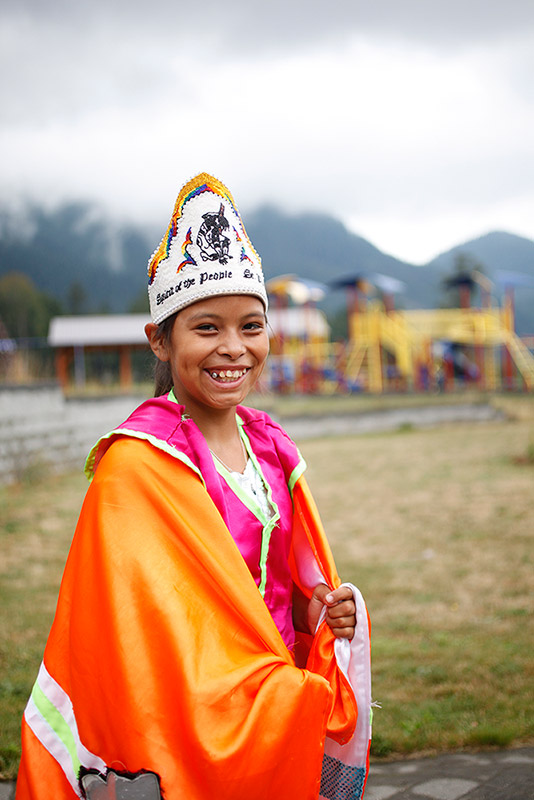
x: 206, y: 326
x: 253, y: 326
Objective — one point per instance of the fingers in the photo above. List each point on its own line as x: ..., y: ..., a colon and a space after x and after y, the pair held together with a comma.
x: 342, y: 619
x: 344, y: 633
x: 341, y: 612
x: 340, y: 609
x: 337, y: 595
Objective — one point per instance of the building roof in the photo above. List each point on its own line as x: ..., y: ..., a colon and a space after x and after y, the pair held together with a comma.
x: 98, y: 330
x: 101, y: 330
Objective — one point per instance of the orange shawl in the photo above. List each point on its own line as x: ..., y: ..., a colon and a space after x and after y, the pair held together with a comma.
x: 164, y: 658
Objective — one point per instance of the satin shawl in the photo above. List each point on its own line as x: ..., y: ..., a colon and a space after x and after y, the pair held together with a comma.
x: 264, y: 542
x: 163, y: 656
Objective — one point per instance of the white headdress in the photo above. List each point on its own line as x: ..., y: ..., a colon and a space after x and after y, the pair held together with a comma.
x: 205, y: 252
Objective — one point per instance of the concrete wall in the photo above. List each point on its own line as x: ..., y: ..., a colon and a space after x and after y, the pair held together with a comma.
x: 39, y: 428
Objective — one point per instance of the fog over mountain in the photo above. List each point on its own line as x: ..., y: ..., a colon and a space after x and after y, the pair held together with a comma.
x: 409, y: 121
x: 75, y: 251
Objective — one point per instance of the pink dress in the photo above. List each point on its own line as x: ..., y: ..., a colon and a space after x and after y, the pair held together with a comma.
x: 263, y: 539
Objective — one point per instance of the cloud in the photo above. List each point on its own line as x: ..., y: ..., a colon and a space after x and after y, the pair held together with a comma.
x: 243, y: 22
x: 411, y: 121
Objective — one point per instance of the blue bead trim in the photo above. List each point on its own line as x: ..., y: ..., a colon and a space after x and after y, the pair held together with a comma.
x: 340, y: 781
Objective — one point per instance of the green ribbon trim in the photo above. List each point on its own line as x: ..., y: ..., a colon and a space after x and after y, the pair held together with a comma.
x: 268, y: 524
x: 57, y: 722
x: 148, y: 437
x: 299, y: 470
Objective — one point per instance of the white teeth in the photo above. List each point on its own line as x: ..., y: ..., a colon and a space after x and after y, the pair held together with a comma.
x: 228, y: 374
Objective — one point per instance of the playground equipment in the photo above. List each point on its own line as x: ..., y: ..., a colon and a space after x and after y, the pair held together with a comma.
x: 431, y: 348
x: 385, y: 350
x: 419, y: 350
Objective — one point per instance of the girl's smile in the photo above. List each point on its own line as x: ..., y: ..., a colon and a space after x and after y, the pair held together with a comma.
x: 228, y: 375
x: 216, y: 350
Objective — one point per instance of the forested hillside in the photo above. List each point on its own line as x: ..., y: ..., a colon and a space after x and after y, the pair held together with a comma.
x: 83, y: 262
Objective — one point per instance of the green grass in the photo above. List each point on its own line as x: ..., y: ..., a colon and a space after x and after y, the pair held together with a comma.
x: 38, y: 517
x: 436, y: 527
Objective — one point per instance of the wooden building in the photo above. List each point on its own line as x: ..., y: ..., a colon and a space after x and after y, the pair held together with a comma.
x: 74, y: 337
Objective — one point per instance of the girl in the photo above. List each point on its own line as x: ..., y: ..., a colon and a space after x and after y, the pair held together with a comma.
x: 203, y: 646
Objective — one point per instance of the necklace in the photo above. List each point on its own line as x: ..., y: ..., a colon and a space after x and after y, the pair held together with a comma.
x: 245, y: 456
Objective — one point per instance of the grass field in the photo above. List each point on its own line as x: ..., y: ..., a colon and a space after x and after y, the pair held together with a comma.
x: 436, y: 527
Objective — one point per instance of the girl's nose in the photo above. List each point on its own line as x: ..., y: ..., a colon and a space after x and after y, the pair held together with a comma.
x: 231, y: 345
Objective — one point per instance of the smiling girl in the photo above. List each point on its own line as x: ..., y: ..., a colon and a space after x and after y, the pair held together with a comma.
x: 203, y: 645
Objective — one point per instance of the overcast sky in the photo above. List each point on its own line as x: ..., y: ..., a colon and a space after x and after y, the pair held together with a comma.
x: 410, y: 120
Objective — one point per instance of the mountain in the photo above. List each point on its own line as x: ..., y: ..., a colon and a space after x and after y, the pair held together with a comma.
x: 508, y: 261
x: 495, y: 251
x: 320, y: 248
x: 91, y: 264
x: 75, y: 254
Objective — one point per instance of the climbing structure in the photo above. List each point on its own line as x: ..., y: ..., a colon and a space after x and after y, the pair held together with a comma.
x: 429, y: 347
x: 392, y: 350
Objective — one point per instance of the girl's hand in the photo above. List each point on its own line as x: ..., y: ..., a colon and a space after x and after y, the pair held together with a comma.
x: 340, y: 611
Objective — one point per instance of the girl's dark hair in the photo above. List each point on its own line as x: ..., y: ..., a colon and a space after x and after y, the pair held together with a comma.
x: 162, y: 369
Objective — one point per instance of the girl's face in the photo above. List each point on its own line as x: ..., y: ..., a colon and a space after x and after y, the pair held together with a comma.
x: 217, y: 350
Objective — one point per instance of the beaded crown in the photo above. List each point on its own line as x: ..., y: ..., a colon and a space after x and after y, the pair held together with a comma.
x: 205, y: 251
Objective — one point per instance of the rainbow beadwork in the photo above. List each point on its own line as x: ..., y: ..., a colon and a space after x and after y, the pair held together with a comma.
x: 202, y: 183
